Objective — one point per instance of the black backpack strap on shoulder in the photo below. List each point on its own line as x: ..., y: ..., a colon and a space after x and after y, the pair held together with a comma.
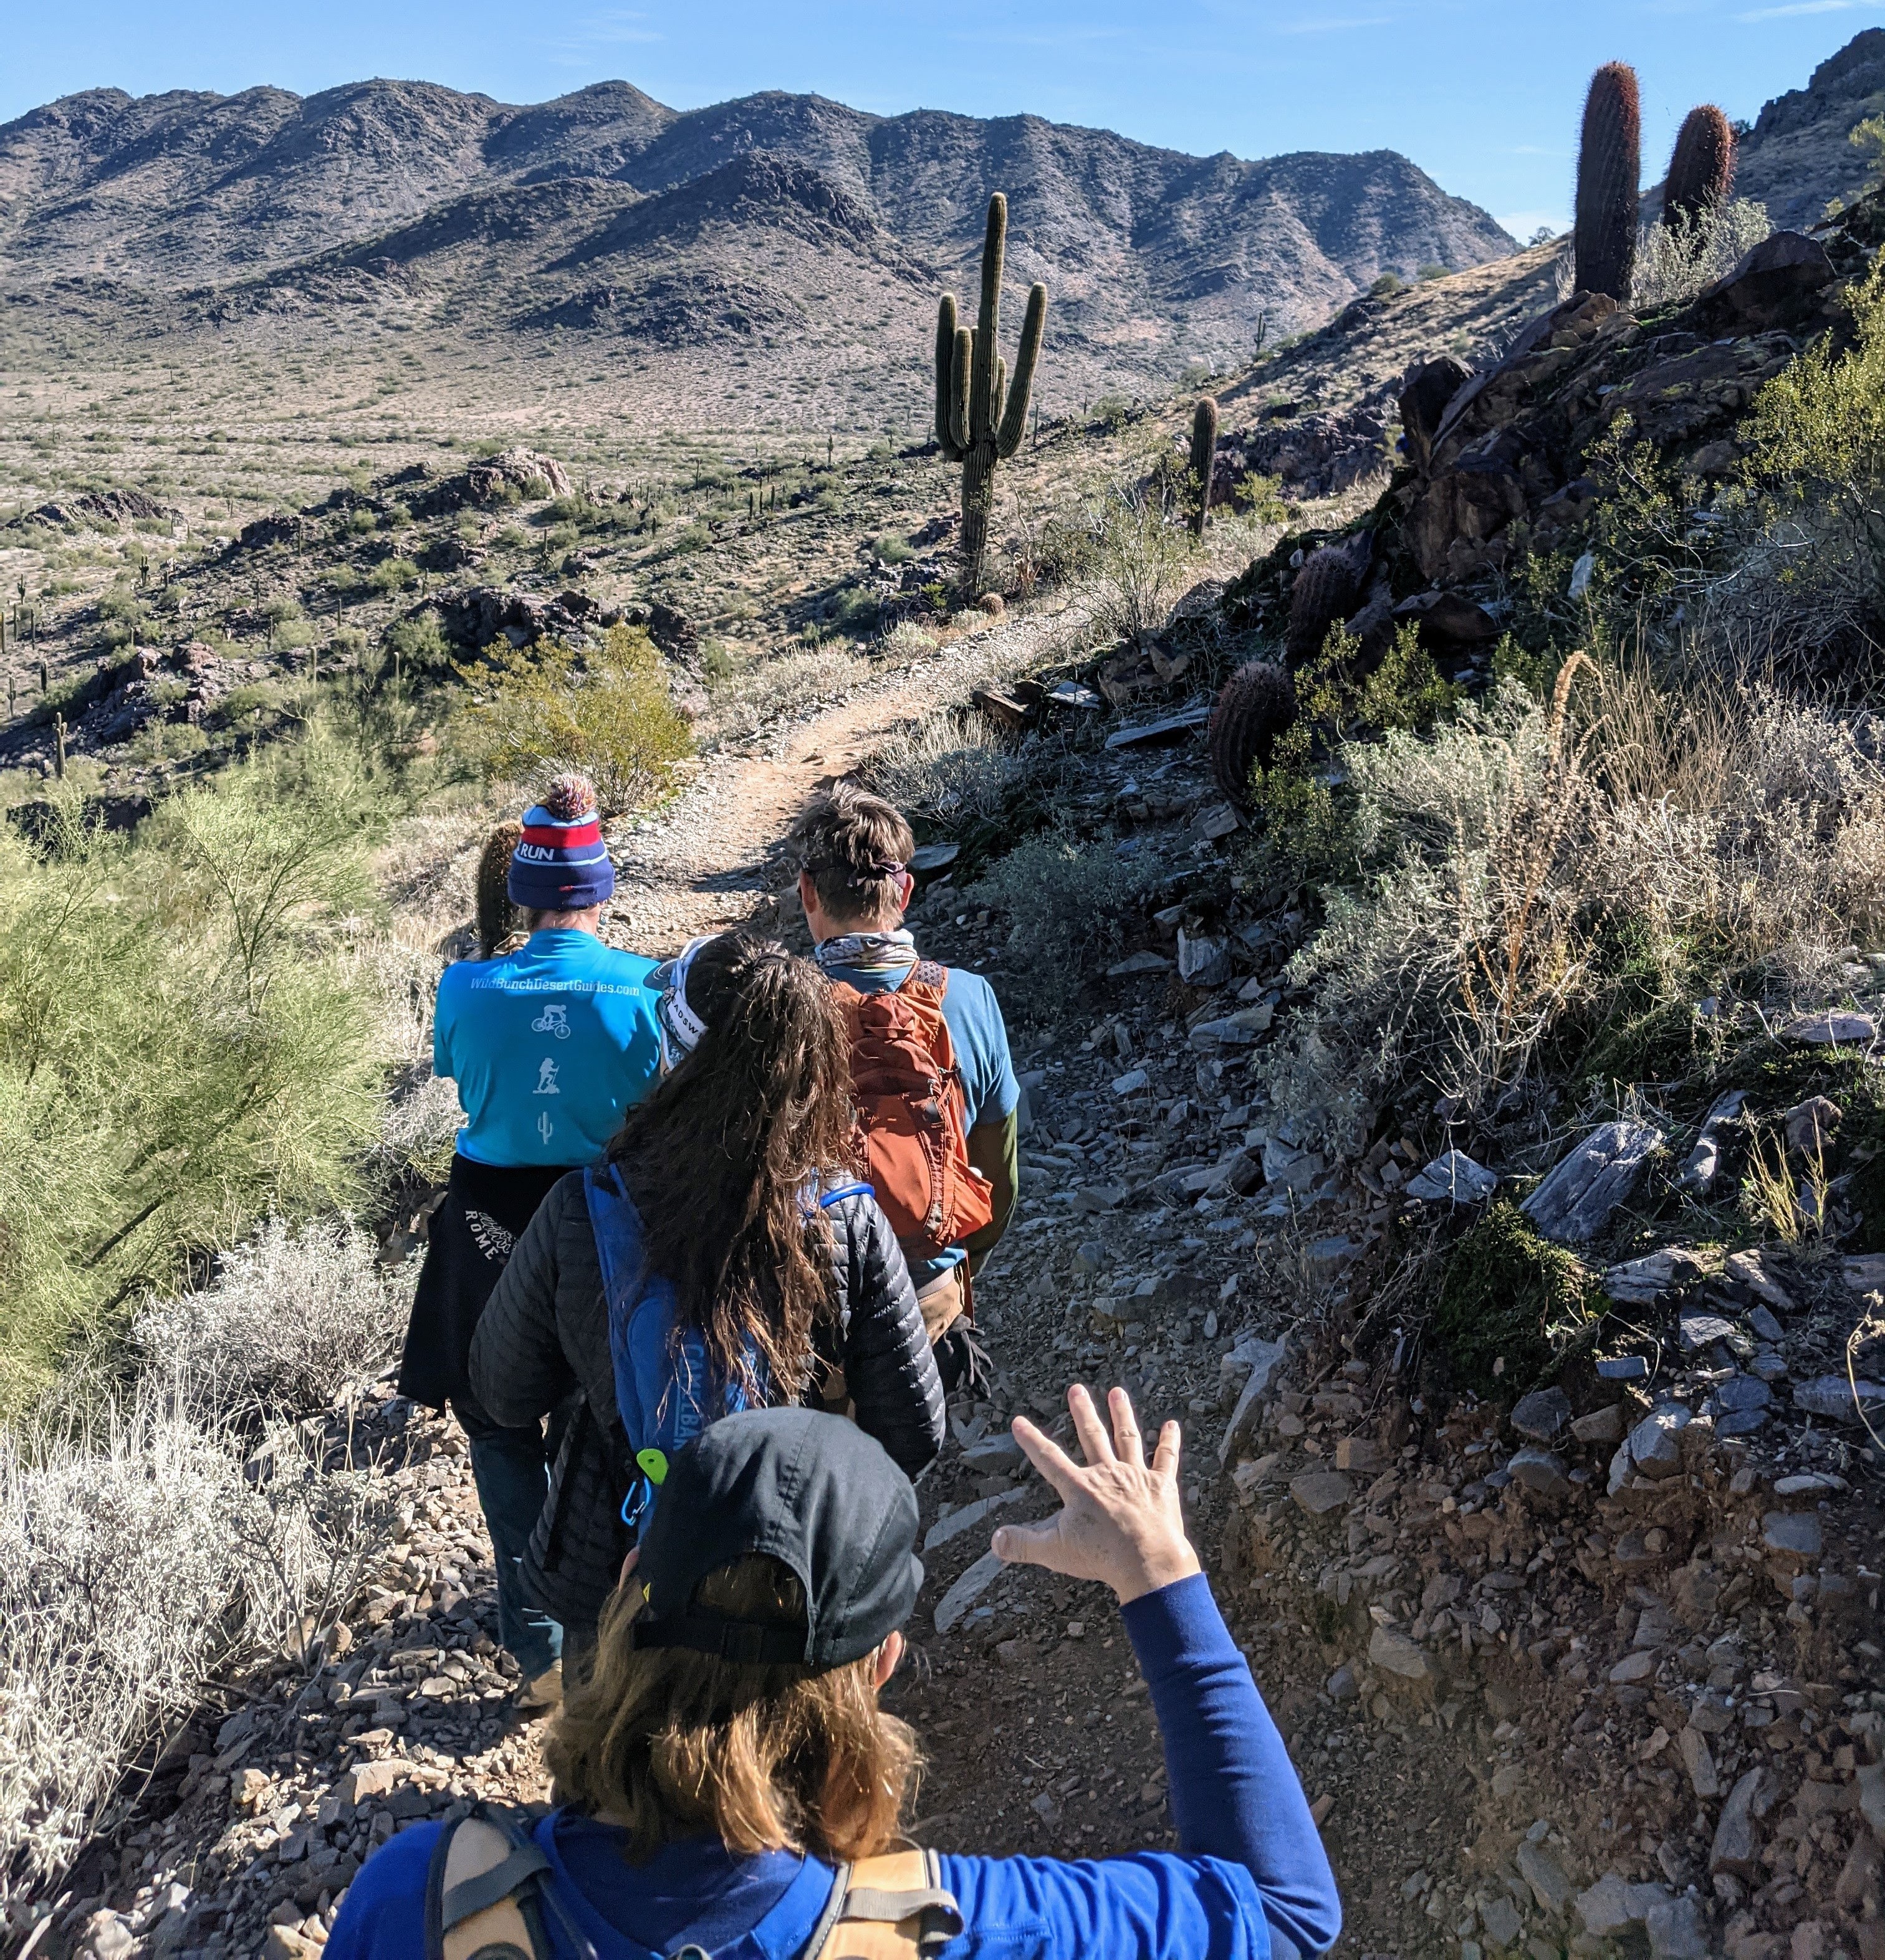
x: 484, y: 1889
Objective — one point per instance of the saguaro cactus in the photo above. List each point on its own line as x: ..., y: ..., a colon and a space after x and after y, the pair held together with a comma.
x: 981, y: 415
x: 1609, y: 165
x: 1702, y: 169
x: 1204, y: 457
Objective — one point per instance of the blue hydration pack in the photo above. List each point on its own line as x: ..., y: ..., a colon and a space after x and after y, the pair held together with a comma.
x: 662, y: 1384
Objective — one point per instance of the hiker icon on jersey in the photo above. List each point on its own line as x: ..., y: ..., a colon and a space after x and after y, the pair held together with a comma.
x: 931, y: 1074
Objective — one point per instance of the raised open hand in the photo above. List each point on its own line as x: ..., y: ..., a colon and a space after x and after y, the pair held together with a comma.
x: 1119, y: 1519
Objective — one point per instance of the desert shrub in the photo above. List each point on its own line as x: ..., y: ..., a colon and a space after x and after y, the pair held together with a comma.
x: 1813, y: 570
x: 606, y: 713
x: 1069, y: 905
x: 908, y: 640
x: 951, y: 769
x: 418, y: 642
x: 136, y: 1556
x: 1140, y: 561
x: 857, y: 609
x: 1674, y: 263
x: 1385, y: 286
x: 392, y: 575
x: 291, y: 1312
x: 782, y: 688
x: 1509, y: 1302
x: 1511, y: 852
x: 892, y: 550
x: 179, y: 1051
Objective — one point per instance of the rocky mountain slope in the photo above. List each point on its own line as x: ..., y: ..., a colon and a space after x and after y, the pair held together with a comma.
x: 1797, y: 157
x: 605, y: 212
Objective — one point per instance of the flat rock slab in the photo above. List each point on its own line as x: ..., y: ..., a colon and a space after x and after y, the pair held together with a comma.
x: 1543, y: 1471
x: 1265, y: 1357
x: 1642, y: 1282
x: 1797, y: 1533
x: 1163, y: 729
x: 1697, y: 1328
x: 1139, y: 962
x: 1833, y: 1398
x: 968, y: 1517
x: 966, y: 1591
x: 1830, y: 1027
x: 1575, y: 1202
x: 1320, y: 1491
x: 1541, y: 1416
x: 1454, y: 1178
x: 1395, y: 1653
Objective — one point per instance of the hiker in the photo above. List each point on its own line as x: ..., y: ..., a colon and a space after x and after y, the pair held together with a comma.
x: 725, y: 1252
x: 548, y: 1045
x: 728, y: 1784
x: 925, y: 1039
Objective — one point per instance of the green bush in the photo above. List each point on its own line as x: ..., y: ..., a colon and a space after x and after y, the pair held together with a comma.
x: 1510, y: 1304
x: 392, y: 575
x: 1069, y: 904
x: 607, y: 714
x: 180, y: 1051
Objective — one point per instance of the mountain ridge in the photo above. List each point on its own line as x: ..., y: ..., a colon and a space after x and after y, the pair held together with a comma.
x: 1150, y: 254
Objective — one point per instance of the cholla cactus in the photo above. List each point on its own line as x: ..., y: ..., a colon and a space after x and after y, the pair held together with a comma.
x: 1258, y: 703
x: 1702, y: 169
x: 1609, y: 165
x: 1204, y: 456
x: 980, y: 416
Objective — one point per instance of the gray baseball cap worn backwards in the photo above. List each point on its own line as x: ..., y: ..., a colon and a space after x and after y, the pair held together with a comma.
x: 811, y: 1491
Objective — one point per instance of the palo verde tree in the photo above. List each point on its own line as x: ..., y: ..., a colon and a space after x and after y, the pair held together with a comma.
x: 981, y: 413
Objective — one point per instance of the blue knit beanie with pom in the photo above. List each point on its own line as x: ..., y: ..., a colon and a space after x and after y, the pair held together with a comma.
x: 561, y: 863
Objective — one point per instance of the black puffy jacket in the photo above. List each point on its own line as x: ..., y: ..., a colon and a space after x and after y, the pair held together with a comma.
x: 543, y: 1340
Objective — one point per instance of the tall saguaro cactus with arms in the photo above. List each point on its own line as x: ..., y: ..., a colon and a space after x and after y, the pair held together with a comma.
x: 981, y: 412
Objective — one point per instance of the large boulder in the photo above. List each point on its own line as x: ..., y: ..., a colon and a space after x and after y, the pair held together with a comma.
x: 1774, y: 284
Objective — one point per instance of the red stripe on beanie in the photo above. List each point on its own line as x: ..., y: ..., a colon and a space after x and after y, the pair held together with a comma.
x: 563, y: 835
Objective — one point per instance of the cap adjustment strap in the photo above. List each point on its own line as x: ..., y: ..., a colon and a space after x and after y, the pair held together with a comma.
x: 741, y: 1642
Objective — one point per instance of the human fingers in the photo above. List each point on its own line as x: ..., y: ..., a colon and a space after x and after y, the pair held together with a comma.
x: 1165, y: 1457
x: 1095, y: 1445
x: 1126, y: 1440
x: 1047, y: 1457
x: 1027, y: 1545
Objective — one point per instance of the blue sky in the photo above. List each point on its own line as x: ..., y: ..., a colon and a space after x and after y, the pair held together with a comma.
x: 1484, y: 94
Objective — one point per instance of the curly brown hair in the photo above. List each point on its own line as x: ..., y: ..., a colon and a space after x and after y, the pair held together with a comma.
x: 719, y: 1158
x: 670, y: 1743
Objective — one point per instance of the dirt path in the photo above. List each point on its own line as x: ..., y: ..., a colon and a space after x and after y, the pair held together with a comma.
x: 712, y: 856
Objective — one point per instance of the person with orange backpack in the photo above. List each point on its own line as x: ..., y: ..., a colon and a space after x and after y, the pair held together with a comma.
x: 932, y: 1073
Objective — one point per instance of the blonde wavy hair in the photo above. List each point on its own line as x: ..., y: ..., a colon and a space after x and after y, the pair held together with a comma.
x: 669, y: 1743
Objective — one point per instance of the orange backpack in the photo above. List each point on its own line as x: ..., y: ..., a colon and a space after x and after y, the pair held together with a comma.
x: 914, y: 1112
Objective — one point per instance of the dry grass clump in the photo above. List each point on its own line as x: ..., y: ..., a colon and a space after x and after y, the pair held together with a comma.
x: 1530, y: 868
x: 908, y: 640
x: 951, y: 769
x: 783, y: 689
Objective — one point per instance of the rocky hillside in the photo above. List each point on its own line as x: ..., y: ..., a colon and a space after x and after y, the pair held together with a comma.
x: 607, y: 213
x: 1797, y: 157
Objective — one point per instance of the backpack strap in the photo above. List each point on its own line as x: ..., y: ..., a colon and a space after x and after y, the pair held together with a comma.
x: 480, y: 1892
x: 890, y: 1907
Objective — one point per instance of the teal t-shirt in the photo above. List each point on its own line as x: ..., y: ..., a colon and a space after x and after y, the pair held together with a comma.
x: 980, y: 1036
x: 548, y: 1045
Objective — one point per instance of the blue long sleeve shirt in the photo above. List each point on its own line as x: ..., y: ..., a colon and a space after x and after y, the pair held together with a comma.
x: 1251, y: 1880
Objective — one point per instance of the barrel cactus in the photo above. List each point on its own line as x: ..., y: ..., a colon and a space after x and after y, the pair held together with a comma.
x: 1609, y: 165
x: 498, y: 917
x: 1702, y: 169
x: 1257, y: 704
x: 981, y: 415
x: 1325, y: 592
x: 1204, y: 457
